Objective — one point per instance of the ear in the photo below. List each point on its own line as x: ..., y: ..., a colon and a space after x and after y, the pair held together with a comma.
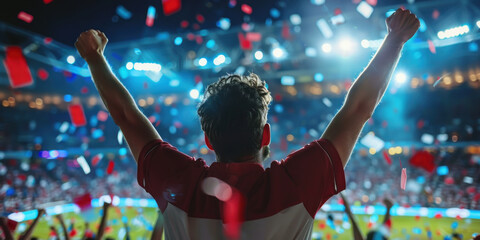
x: 209, y: 145
x: 266, y: 135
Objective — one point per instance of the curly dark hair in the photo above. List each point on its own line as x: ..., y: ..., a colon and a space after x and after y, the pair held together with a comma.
x: 233, y: 114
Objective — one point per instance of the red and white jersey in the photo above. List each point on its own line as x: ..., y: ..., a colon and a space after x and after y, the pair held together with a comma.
x: 280, y: 201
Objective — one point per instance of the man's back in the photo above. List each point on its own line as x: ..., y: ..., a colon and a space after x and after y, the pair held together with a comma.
x: 279, y: 202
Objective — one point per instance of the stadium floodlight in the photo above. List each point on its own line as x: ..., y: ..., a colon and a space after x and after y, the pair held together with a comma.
x: 259, y: 55
x: 194, y: 93
x: 71, y: 59
x: 129, y: 65
x: 278, y: 52
x: 453, y: 32
x: 400, y: 78
x: 326, y: 47
x: 202, y: 62
x: 346, y: 45
x: 220, y: 59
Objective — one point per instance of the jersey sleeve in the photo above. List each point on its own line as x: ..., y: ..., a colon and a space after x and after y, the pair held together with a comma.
x: 317, y: 172
x: 168, y: 174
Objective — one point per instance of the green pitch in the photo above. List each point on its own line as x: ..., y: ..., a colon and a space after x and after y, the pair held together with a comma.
x: 402, y: 227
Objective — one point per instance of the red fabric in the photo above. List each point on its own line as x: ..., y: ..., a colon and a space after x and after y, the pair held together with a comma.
x: 310, y: 176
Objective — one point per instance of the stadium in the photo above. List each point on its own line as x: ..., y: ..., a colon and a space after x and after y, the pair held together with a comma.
x: 64, y: 161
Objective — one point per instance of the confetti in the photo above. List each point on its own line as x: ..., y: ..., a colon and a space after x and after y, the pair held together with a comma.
x: 96, y: 159
x: 431, y: 47
x: 111, y: 165
x: 423, y: 159
x: 365, y: 9
x: 254, y: 36
x: 439, y: 79
x: 25, y: 17
x: 184, y: 24
x: 286, y: 31
x: 372, y: 2
x: 200, y: 18
x: 387, y: 158
x: 18, y: 72
x: 403, y: 180
x: 47, y: 1
x: 244, y: 43
x: 224, y: 23
x: 102, y: 116
x: 84, y: 202
x: 42, y: 74
x: 246, y: 9
x: 372, y: 141
x: 83, y: 164
x: 77, y: 115
x: 324, y: 28
x: 171, y: 6
x: 150, y: 16
x: 120, y: 137
x: 123, y: 12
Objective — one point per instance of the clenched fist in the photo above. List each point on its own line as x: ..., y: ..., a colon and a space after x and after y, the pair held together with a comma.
x: 402, y: 25
x: 91, y: 44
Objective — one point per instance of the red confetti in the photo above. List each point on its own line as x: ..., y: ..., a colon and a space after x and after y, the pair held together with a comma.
x: 254, y: 36
x: 47, y: 40
x: 321, y: 225
x: 431, y: 47
x: 152, y: 119
x: 96, y: 159
x: 244, y: 43
x: 102, y: 116
x: 246, y: 9
x: 191, y: 36
x: 286, y: 31
x: 387, y: 158
x: 47, y: 1
x: 417, y: 218
x: 171, y: 6
x: 423, y: 159
x: 200, y: 18
x: 84, y: 90
x: 233, y: 214
x: 246, y: 27
x: 77, y: 115
x: 196, y: 26
x: 42, y: 74
x: 184, y: 24
x: 420, y: 124
x: 438, y: 215
x: 84, y: 202
x: 25, y: 17
x: 232, y: 3
x: 435, y: 14
x: 111, y: 164
x: 337, y: 11
x: 198, y: 79
x: 199, y: 39
x: 372, y: 2
x: 17, y: 68
x: 449, y: 180
x: 403, y: 180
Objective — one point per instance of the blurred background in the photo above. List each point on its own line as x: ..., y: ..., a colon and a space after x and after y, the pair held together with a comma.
x: 58, y: 142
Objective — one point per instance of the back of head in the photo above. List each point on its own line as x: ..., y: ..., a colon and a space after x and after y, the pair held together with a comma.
x: 233, y: 114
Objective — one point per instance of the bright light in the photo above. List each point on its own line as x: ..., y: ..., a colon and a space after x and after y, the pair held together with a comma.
x: 194, y: 94
x: 278, y: 52
x: 478, y: 23
x: 453, y: 32
x: 174, y: 83
x: 178, y: 41
x: 295, y: 19
x: 326, y: 47
x: 202, y: 62
x: 219, y: 60
x: 258, y: 55
x: 346, y: 45
x: 365, y: 43
x: 153, y: 67
x: 287, y: 80
x: 129, y: 66
x: 71, y: 59
x: 400, y: 78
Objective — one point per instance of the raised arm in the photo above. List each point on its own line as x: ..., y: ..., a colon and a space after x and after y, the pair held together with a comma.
x: 4, y: 225
x: 136, y: 128
x: 367, y: 91
x: 32, y: 226
x: 103, y: 222
x: 357, y: 234
x: 64, y: 227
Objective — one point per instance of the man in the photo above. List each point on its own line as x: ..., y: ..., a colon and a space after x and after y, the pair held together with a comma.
x: 280, y: 201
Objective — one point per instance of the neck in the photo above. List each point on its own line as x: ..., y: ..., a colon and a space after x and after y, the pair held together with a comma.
x: 257, y: 158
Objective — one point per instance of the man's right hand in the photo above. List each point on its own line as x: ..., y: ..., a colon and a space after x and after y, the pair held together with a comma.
x: 91, y: 44
x: 402, y: 24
